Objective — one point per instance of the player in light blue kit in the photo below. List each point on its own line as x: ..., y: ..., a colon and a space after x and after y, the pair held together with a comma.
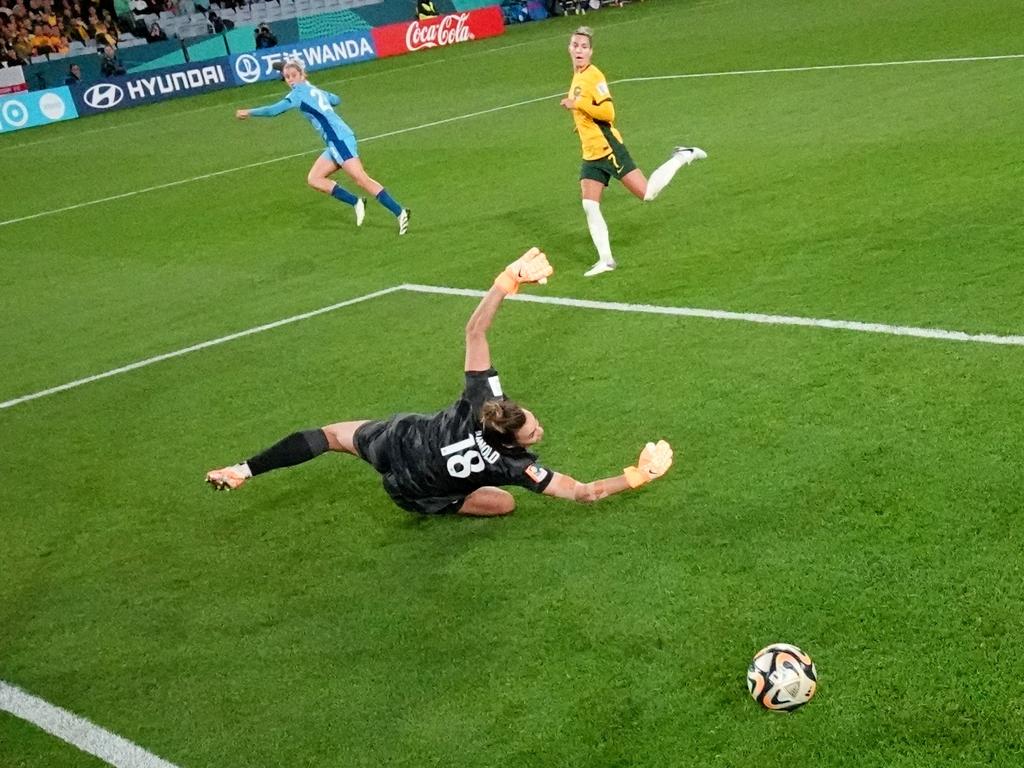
x: 317, y: 107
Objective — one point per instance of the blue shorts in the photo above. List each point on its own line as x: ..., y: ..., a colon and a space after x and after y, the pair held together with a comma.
x: 341, y: 149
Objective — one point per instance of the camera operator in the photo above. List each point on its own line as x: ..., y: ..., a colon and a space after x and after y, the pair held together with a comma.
x: 264, y: 37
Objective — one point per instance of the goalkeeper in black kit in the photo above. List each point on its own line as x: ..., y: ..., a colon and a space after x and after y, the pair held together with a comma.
x: 456, y: 459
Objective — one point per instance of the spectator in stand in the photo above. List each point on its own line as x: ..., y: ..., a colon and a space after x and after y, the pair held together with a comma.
x: 155, y: 34
x: 40, y: 41
x: 216, y: 24
x: 75, y: 28
x: 8, y: 56
x: 23, y: 45
x: 58, y: 43
x: 74, y: 76
x: 425, y: 9
x: 112, y: 28
x: 104, y: 35
x: 264, y: 37
x: 110, y: 64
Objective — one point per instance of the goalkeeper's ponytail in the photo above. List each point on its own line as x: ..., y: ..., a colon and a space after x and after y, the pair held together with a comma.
x: 501, y: 420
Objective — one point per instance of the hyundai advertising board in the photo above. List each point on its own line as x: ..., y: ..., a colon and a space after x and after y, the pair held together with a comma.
x: 154, y: 85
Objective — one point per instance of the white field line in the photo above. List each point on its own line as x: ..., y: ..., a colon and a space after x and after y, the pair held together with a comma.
x: 819, y: 68
x: 746, y: 317
x: 481, y: 112
x: 195, y: 348
x: 77, y: 731
x: 607, y: 306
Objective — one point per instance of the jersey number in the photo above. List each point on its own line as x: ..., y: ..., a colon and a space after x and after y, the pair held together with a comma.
x: 463, y: 460
x: 321, y: 99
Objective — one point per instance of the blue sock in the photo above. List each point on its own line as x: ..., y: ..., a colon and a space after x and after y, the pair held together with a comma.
x: 389, y: 202
x: 344, y: 195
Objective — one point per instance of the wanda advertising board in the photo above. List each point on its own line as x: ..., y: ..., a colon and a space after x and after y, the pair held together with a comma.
x: 409, y: 36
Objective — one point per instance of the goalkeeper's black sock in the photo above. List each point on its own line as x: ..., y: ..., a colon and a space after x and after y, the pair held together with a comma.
x: 294, y: 449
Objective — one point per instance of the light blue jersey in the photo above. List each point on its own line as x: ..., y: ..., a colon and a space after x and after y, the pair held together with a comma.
x: 317, y: 107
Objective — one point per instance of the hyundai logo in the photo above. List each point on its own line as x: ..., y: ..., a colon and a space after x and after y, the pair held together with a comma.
x: 247, y: 68
x: 104, y: 96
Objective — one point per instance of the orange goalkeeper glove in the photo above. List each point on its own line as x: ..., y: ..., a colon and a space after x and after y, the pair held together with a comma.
x: 531, y: 267
x: 654, y: 462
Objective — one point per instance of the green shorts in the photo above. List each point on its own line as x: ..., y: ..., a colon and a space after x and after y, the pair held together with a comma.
x: 616, y: 163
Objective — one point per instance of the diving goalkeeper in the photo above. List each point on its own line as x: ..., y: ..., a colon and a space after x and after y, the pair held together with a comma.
x: 454, y: 460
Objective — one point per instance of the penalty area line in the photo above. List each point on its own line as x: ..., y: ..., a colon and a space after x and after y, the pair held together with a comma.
x: 937, y: 334
x: 77, y: 731
x: 195, y: 348
x: 746, y: 317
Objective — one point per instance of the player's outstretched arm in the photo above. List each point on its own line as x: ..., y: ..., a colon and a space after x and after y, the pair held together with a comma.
x: 655, y: 460
x: 531, y: 267
x: 272, y: 110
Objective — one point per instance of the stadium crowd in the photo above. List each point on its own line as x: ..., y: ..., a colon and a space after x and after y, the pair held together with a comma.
x: 37, y: 27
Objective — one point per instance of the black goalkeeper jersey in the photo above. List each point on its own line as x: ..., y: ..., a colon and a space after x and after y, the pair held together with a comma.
x: 444, y: 454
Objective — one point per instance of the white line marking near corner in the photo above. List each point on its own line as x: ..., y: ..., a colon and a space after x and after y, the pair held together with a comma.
x: 746, y: 317
x: 195, y: 348
x: 503, y: 107
x: 77, y: 731
x: 937, y: 334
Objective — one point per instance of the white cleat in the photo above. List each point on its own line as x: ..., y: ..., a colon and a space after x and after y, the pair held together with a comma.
x: 689, y: 154
x: 403, y: 221
x: 360, y: 209
x: 599, y: 268
x: 227, y: 479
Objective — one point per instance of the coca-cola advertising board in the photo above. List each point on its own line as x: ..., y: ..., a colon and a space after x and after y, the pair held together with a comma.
x: 408, y: 36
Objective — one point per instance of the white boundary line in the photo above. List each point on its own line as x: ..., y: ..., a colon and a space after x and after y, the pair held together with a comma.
x: 746, y: 317
x: 819, y: 68
x: 478, y: 113
x: 937, y: 334
x: 77, y: 731
x: 196, y: 348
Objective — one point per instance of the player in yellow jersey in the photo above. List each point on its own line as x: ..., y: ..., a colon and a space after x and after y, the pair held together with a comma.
x: 604, y: 154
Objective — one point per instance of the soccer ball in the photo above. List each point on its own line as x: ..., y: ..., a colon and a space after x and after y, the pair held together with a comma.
x: 782, y: 677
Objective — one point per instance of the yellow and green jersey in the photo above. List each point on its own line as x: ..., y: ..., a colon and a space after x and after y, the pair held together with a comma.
x: 594, y: 114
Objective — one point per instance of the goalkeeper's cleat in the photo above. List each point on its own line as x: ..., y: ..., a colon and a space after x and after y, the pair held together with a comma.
x: 403, y: 221
x: 360, y: 209
x: 689, y: 154
x: 227, y: 479
x: 600, y: 267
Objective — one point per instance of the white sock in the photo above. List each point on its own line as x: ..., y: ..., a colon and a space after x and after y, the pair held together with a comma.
x: 663, y: 175
x: 598, y: 230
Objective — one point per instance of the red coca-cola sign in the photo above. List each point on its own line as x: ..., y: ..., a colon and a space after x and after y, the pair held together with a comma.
x: 395, y: 39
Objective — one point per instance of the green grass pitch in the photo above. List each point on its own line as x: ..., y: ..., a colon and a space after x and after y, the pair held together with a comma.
x: 856, y: 494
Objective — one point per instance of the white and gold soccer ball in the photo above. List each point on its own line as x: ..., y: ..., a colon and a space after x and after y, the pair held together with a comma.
x: 782, y: 677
